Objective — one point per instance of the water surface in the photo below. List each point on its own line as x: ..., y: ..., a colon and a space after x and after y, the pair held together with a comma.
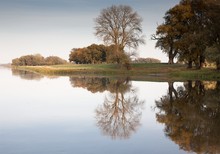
x: 65, y: 115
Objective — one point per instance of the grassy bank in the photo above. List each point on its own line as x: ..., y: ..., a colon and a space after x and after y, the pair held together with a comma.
x: 141, y: 71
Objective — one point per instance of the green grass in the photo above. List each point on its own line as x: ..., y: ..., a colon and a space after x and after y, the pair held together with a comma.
x: 203, y: 74
x: 150, y: 71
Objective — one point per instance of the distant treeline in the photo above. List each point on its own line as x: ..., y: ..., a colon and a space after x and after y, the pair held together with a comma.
x: 37, y: 60
x: 146, y: 60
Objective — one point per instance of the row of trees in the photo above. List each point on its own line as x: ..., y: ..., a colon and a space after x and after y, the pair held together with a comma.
x: 36, y: 60
x: 191, y: 32
x: 95, y: 54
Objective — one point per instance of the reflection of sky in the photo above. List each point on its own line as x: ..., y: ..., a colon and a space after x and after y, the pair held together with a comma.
x: 34, y: 101
x: 54, y: 27
x: 50, y: 116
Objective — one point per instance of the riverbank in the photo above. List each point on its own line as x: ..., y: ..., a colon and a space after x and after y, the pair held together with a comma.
x: 142, y: 71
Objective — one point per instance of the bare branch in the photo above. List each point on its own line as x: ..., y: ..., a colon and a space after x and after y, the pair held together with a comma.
x: 121, y: 26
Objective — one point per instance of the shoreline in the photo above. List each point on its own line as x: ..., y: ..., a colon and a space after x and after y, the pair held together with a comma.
x: 147, y: 71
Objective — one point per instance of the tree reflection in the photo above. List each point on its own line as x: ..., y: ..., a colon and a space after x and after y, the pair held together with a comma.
x: 120, y: 113
x: 191, y: 114
x: 92, y: 84
x: 27, y: 75
x: 119, y: 116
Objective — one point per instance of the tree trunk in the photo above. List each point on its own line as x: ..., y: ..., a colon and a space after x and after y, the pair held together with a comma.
x: 199, y: 87
x: 172, y: 90
x: 217, y: 86
x: 189, y: 64
x: 189, y: 86
x: 198, y: 65
x: 172, y: 56
x: 202, y: 61
x: 218, y: 64
x: 170, y: 61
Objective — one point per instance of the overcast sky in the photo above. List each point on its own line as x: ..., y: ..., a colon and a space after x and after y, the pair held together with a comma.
x: 54, y: 27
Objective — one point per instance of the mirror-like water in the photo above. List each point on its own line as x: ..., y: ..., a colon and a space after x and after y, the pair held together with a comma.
x: 98, y: 115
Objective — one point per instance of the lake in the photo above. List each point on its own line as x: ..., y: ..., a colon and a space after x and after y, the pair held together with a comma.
x: 99, y: 115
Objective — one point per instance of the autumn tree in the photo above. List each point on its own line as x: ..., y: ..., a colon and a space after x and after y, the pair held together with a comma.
x: 203, y: 32
x: 183, y: 24
x: 196, y: 34
x: 97, y: 53
x: 212, y: 11
x: 119, y: 26
x: 165, y: 41
x: 169, y: 33
x: 92, y: 54
x: 29, y: 60
x: 189, y: 28
x: 54, y: 60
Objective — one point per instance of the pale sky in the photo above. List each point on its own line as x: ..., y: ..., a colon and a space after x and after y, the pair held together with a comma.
x: 54, y: 27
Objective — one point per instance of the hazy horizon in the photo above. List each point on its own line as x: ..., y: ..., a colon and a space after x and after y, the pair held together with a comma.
x: 54, y: 27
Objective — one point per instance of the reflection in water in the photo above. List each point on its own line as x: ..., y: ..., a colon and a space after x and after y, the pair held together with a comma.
x: 191, y: 114
x: 120, y: 113
x: 27, y: 75
x: 92, y: 84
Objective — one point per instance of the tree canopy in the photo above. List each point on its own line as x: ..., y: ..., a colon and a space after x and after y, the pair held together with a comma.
x: 95, y: 54
x: 190, y: 32
x: 92, y: 54
x: 119, y: 26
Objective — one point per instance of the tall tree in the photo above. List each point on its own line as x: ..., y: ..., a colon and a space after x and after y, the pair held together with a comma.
x: 196, y: 34
x: 188, y: 29
x: 119, y: 26
x: 169, y: 33
x: 212, y: 12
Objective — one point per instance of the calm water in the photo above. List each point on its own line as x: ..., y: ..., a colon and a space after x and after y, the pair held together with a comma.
x: 78, y: 115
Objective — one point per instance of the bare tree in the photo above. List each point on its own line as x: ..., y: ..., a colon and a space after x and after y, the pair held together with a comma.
x: 120, y: 26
